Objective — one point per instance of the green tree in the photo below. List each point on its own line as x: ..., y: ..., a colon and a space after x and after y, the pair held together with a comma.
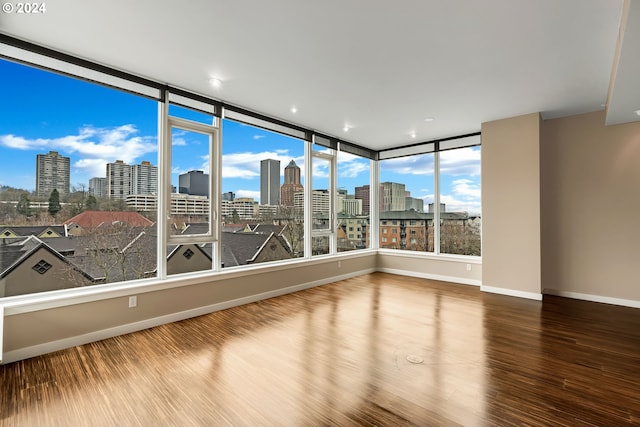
x: 235, y: 218
x: 54, y: 203
x: 24, y: 205
x: 91, y: 203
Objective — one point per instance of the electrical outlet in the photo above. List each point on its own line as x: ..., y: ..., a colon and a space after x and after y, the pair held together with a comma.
x: 339, y: 264
x: 468, y: 267
x: 133, y: 301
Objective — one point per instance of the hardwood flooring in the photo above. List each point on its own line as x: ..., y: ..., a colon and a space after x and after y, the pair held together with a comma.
x: 343, y: 354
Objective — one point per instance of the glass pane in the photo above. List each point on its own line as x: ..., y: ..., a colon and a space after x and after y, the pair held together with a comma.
x: 354, y: 175
x: 76, y: 154
x: 320, y: 196
x: 190, y: 153
x: 189, y: 114
x: 460, y: 202
x: 320, y: 245
x: 187, y: 258
x: 262, y: 203
x: 406, y: 203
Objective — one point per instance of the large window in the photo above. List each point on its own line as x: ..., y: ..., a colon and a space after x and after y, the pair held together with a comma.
x: 460, y: 218
x: 406, y: 200
x: 77, y: 184
x: 100, y: 186
x: 262, y: 205
x: 431, y: 202
x: 353, y: 202
x: 191, y: 157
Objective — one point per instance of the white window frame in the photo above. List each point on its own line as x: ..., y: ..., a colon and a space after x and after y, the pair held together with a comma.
x: 330, y: 156
x: 165, y: 238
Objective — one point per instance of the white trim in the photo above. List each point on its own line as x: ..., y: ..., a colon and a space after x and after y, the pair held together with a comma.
x: 467, y: 259
x: 39, y: 349
x: 593, y: 298
x: 457, y: 280
x: 511, y: 292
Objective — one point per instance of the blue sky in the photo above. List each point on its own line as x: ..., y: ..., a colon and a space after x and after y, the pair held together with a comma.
x: 94, y: 125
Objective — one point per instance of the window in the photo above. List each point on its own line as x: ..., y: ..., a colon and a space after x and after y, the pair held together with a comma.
x: 406, y: 191
x: 190, y: 190
x: 353, y: 196
x: 442, y: 186
x: 42, y: 266
x: 460, y: 218
x: 67, y: 134
x: 262, y: 204
x: 322, y: 200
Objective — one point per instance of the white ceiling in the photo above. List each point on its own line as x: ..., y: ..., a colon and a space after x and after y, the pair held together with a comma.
x: 379, y: 67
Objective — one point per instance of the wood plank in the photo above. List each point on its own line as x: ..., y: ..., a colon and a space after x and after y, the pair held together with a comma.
x: 337, y: 355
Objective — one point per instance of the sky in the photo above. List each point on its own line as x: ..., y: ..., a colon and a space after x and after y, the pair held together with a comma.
x: 93, y: 125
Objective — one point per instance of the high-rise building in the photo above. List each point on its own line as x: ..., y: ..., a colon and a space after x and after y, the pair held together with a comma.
x: 123, y: 180
x: 195, y: 183
x: 118, y: 180
x: 291, y: 185
x: 144, y: 178
x: 364, y: 193
x: 270, y: 182
x: 392, y: 197
x: 52, y: 172
x: 98, y: 187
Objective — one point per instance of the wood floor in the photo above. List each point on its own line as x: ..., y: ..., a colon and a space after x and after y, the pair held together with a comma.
x: 343, y: 354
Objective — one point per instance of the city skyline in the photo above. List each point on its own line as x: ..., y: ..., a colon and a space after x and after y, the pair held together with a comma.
x: 95, y: 125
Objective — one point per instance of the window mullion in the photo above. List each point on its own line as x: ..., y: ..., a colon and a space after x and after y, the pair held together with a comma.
x: 164, y: 163
x: 436, y: 203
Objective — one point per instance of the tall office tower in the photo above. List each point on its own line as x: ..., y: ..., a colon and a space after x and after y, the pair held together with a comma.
x: 392, y: 197
x: 144, y: 178
x: 123, y: 180
x: 291, y: 184
x: 195, y: 183
x: 52, y: 172
x: 270, y: 182
x: 363, y: 193
x: 118, y: 180
x: 98, y: 187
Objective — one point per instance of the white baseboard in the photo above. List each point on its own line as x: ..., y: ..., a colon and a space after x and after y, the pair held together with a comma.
x: 594, y: 298
x: 511, y: 292
x: 459, y: 280
x: 49, y: 347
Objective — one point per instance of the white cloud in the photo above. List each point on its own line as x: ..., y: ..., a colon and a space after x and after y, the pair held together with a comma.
x: 352, y: 169
x: 178, y: 142
x: 93, y: 146
x: 466, y: 188
x: 248, y: 193
x: 351, y: 166
x: 463, y: 161
x: 256, y: 137
x: 410, y: 165
x: 462, y: 195
x: 246, y: 165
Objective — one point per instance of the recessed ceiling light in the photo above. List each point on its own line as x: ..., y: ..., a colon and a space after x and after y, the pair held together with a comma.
x: 294, y: 109
x: 215, y: 82
x: 413, y: 134
x: 429, y: 119
x: 637, y: 112
x: 345, y: 128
